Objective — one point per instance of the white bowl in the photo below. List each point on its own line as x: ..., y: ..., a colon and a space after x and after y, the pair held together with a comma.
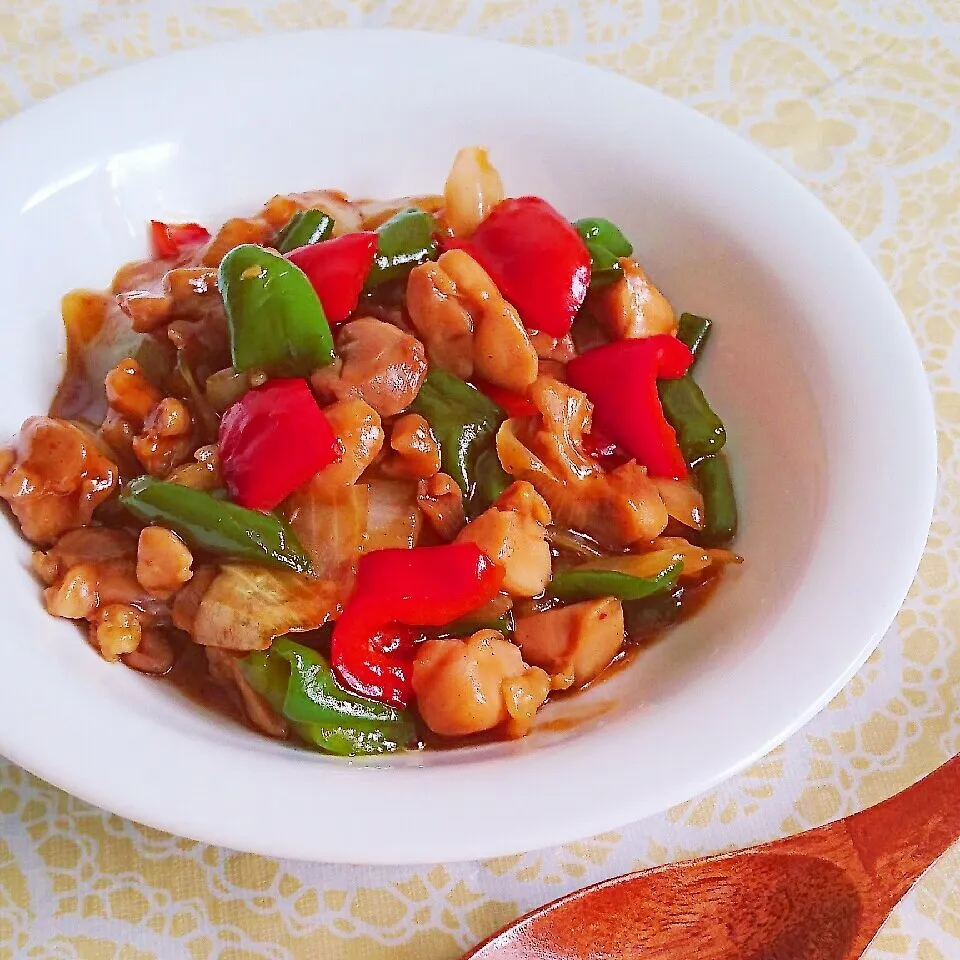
x: 812, y: 366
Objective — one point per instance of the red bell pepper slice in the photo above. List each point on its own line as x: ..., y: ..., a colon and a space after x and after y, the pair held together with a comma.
x: 620, y: 379
x: 168, y: 240
x: 272, y: 440
x: 337, y: 269
x: 515, y: 404
x: 537, y: 259
x: 370, y: 650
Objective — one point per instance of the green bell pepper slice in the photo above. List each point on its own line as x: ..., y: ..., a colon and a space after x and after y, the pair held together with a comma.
x: 700, y: 432
x: 694, y: 331
x: 719, y: 501
x: 299, y: 684
x: 608, y: 578
x: 463, y: 420
x: 208, y: 523
x: 491, y: 480
x: 606, y: 244
x: 274, y: 317
x: 403, y: 242
x: 603, y: 233
x: 303, y: 229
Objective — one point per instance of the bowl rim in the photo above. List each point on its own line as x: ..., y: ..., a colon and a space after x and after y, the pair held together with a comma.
x: 353, y: 786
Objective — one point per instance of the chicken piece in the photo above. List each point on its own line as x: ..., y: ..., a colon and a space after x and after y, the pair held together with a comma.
x: 246, y: 607
x: 118, y: 433
x: 154, y: 655
x: 633, y: 307
x: 75, y: 596
x: 129, y: 391
x: 360, y: 431
x: 472, y: 190
x: 57, y: 478
x: 468, y: 686
x: 617, y: 509
x: 522, y: 497
x: 517, y: 541
x: 378, y: 363
x: 234, y: 232
x: 163, y: 562
x: 225, y: 670
x: 447, y: 300
x: 441, y: 321
x: 147, y: 310
x: 116, y: 629
x: 416, y: 451
x: 555, y: 349
x: 203, y: 473
x: 166, y: 440
x: 574, y: 644
x: 184, y: 284
x: 94, y: 545
x: 441, y: 501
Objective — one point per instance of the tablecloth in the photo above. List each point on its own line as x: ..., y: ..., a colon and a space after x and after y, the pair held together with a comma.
x: 860, y: 100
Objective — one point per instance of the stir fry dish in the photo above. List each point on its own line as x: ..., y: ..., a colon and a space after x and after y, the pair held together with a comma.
x: 374, y: 476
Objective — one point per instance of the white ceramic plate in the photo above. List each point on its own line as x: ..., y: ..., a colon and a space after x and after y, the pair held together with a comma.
x: 812, y: 367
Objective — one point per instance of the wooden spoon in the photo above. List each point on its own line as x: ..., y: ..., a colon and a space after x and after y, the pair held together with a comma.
x: 820, y: 895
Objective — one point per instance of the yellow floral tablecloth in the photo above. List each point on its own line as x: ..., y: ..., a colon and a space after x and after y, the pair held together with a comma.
x: 859, y: 99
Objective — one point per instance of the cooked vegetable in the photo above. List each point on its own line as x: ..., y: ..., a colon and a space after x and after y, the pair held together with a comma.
x: 700, y: 432
x: 538, y: 261
x: 719, y: 501
x: 425, y: 586
x: 694, y: 331
x: 273, y: 440
x: 246, y: 606
x: 403, y: 242
x: 611, y: 577
x: 304, y: 228
x: 621, y: 380
x: 337, y: 271
x: 208, y: 523
x: 369, y: 426
x: 169, y: 240
x: 607, y: 245
x: 275, y: 320
x: 463, y: 420
x: 298, y: 683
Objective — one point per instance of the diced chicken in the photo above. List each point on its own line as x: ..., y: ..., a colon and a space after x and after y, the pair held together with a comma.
x: 234, y: 232
x: 360, y: 431
x: 117, y: 433
x: 378, y: 363
x: 203, y: 473
x: 246, y: 607
x: 154, y: 655
x: 415, y: 448
x: 466, y: 324
x: 183, y: 285
x: 57, y: 478
x: 167, y: 438
x: 117, y: 629
x: 468, y: 686
x: 633, y: 307
x: 129, y: 392
x: 616, y: 509
x: 75, y: 596
x: 574, y: 644
x: 147, y: 310
x: 441, y: 321
x: 163, y: 561
x: 558, y: 350
x: 472, y: 190
x: 517, y: 541
x: 441, y: 501
x: 225, y: 670
x: 522, y: 497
